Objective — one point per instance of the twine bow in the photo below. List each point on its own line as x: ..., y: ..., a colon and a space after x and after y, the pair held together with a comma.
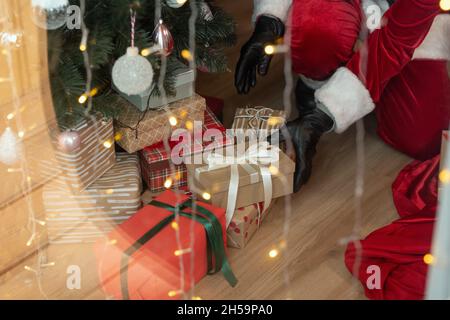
x: 257, y: 117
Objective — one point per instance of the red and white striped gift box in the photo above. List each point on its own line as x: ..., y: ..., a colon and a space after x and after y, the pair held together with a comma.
x: 155, y: 159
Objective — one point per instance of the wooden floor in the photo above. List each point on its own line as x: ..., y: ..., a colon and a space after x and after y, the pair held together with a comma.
x: 312, y: 264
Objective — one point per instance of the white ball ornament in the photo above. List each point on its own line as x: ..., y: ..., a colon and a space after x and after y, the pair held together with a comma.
x: 132, y: 74
x: 10, y: 148
x: 175, y: 3
x: 50, y: 14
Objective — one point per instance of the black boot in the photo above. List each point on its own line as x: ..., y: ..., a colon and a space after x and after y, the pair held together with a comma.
x: 305, y: 133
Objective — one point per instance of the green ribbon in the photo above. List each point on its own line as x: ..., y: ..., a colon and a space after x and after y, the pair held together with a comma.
x: 216, y: 257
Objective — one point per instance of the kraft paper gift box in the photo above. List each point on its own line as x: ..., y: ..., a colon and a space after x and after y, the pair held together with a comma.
x: 81, y: 167
x: 250, y: 184
x: 136, y: 129
x: 90, y: 214
x: 156, y: 163
x: 246, y: 221
x: 141, y: 258
x: 259, y: 118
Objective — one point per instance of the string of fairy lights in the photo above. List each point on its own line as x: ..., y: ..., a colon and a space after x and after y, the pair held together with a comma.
x: 19, y: 159
x: 276, y: 250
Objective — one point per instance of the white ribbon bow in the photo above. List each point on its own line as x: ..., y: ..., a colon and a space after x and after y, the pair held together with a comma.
x: 262, y: 154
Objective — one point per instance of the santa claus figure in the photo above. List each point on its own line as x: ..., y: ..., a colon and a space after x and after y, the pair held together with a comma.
x: 346, y: 71
x: 349, y: 67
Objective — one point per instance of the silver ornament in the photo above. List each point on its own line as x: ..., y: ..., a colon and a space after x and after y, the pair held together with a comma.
x: 10, y: 150
x: 132, y: 74
x: 50, y: 14
x: 175, y: 3
x: 69, y: 141
x: 163, y: 38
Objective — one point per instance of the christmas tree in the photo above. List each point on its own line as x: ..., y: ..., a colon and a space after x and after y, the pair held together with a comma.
x: 109, y: 37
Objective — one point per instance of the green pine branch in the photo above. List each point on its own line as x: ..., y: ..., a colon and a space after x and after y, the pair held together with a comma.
x: 109, y: 25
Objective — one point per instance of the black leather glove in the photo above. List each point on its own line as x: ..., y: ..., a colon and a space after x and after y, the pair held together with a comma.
x: 305, y: 134
x: 268, y: 30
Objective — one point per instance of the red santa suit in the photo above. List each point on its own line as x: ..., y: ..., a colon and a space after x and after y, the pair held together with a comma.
x: 401, y: 73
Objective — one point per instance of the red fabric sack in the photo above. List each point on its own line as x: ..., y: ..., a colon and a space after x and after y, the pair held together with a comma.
x: 398, y: 249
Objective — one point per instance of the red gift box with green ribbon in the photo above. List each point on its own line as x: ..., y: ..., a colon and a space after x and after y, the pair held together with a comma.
x: 163, y: 249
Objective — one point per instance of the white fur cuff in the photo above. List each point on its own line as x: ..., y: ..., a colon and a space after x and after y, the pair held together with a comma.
x: 277, y: 8
x: 346, y: 99
x: 436, y: 45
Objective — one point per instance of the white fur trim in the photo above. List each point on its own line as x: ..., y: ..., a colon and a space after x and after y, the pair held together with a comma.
x: 436, y: 45
x: 277, y: 8
x: 345, y: 98
x: 312, y: 84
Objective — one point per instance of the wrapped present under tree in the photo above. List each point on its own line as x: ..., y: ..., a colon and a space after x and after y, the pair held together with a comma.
x: 141, y: 258
x: 75, y: 217
x: 83, y: 153
x: 136, y: 130
x: 246, y: 221
x: 245, y: 181
x: 156, y: 163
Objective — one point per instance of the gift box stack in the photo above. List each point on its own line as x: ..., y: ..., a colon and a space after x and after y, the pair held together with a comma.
x: 246, y: 192
x: 140, y: 258
x: 250, y: 210
x: 248, y: 196
x: 92, y: 189
x: 143, y: 258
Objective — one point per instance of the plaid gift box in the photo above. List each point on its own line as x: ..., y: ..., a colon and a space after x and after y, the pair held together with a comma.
x: 155, y: 179
x: 155, y: 160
